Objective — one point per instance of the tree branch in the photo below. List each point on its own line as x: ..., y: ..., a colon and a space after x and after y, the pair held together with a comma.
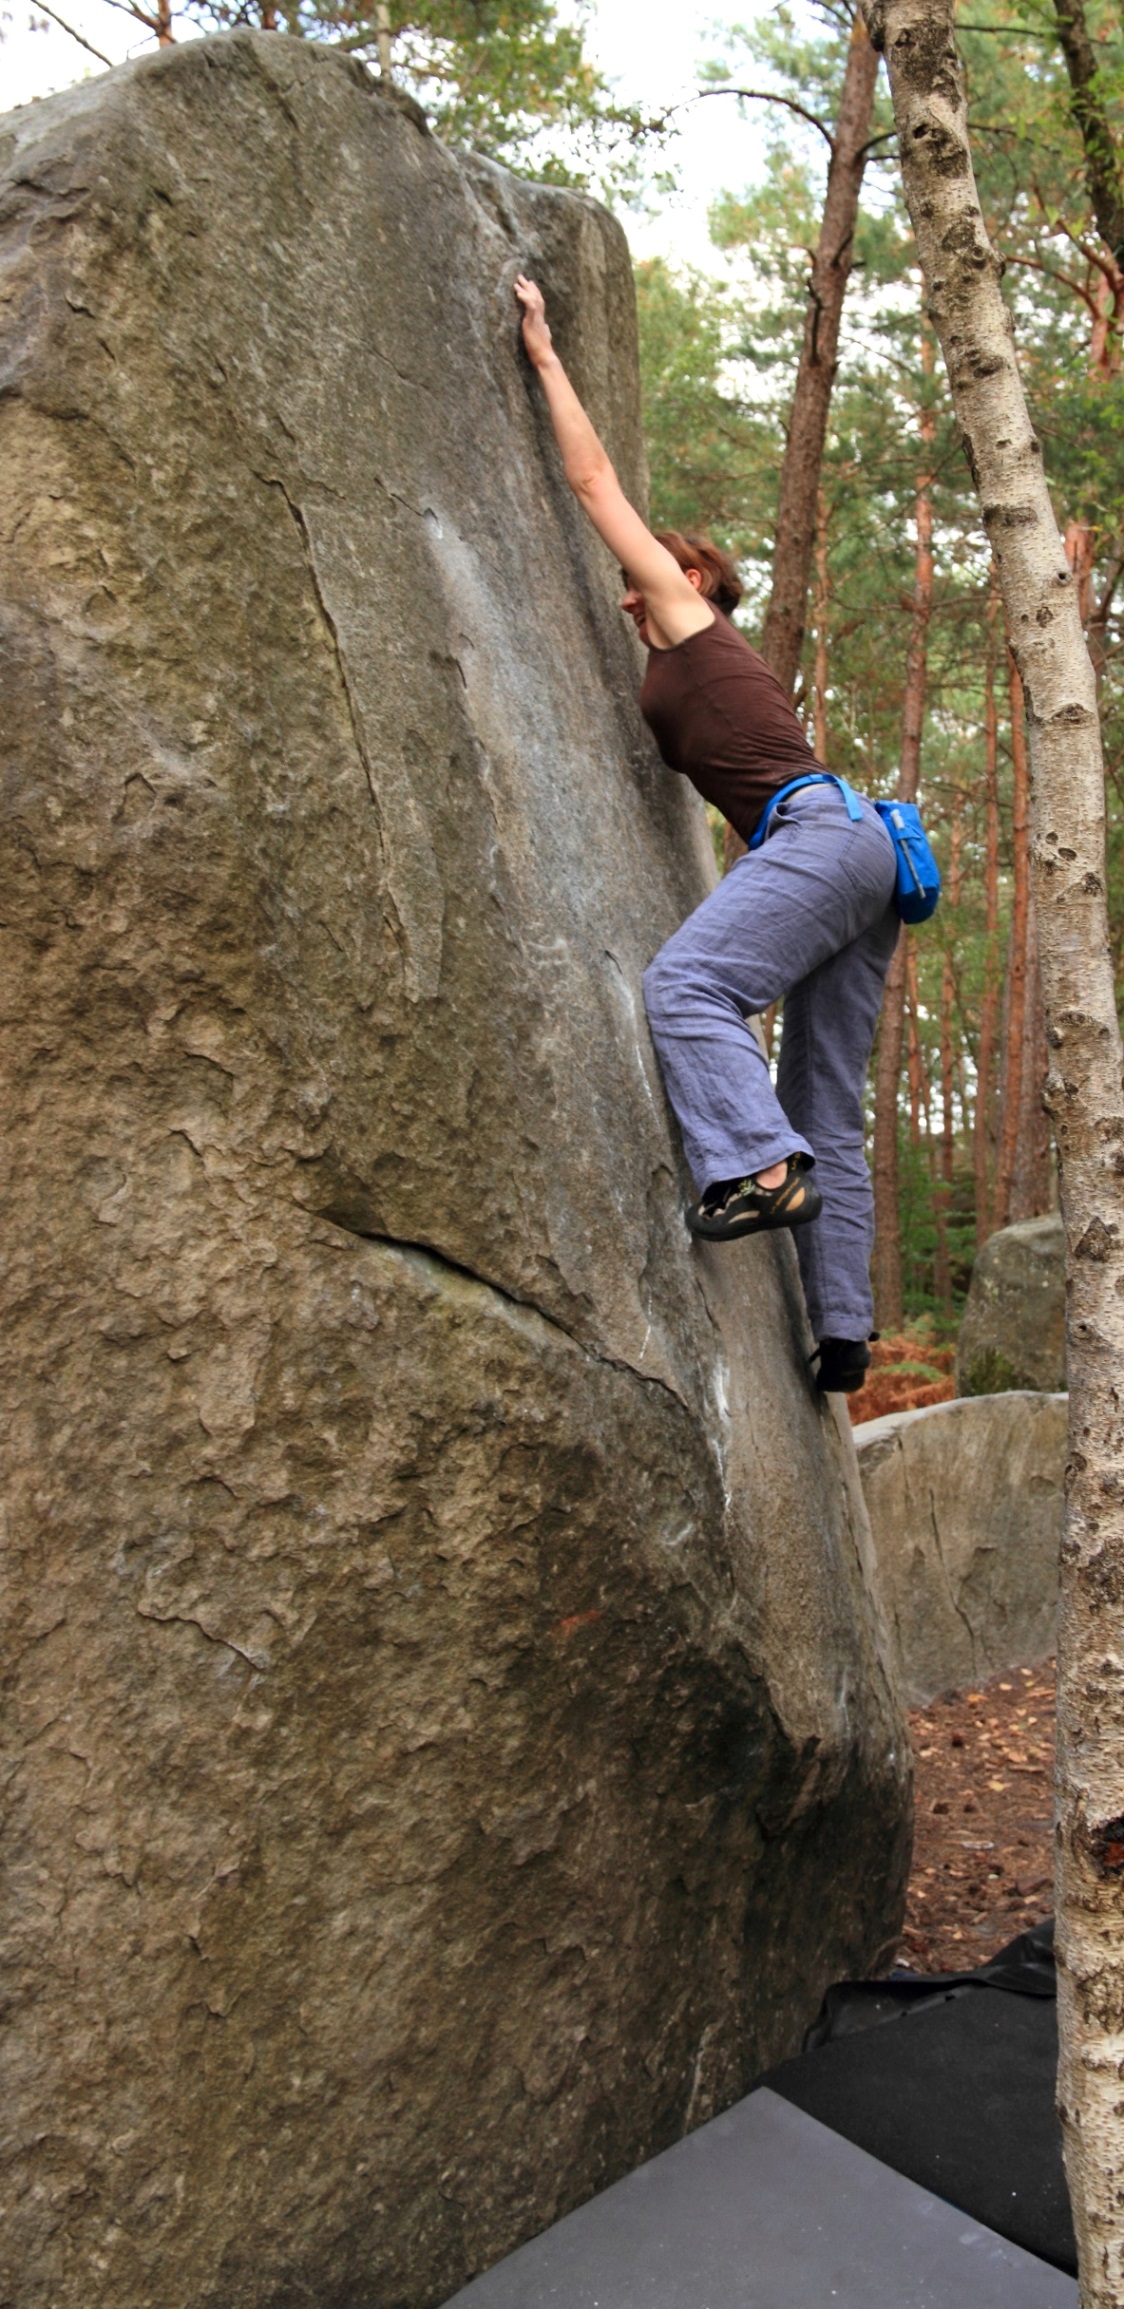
x: 1102, y: 159
x: 1104, y: 264
x: 43, y: 10
x: 1112, y: 580
x: 139, y: 15
x: 1020, y: 31
x: 1063, y: 280
x: 769, y: 96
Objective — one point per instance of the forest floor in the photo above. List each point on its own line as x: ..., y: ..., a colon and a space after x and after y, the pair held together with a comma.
x: 908, y: 1369
x: 983, y: 1859
x: 983, y: 1862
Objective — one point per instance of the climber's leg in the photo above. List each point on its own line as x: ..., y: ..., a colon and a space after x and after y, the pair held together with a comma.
x: 813, y: 887
x: 829, y: 1023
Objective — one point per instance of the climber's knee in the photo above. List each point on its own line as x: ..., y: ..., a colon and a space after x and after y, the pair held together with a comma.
x: 661, y: 985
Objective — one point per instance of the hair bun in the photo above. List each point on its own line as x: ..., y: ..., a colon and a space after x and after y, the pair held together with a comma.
x: 720, y: 581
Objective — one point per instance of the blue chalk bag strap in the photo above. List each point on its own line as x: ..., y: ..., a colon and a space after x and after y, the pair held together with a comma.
x: 814, y: 778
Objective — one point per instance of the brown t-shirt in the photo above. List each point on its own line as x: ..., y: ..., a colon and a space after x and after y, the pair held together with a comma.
x: 720, y: 717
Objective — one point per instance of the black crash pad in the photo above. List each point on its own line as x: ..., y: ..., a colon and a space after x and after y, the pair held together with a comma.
x: 951, y: 2082
x: 764, y: 2208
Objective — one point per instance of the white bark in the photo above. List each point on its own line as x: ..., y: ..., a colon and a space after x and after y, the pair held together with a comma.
x: 1084, y: 1095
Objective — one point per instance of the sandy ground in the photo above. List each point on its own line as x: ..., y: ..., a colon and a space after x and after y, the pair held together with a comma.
x: 983, y: 1850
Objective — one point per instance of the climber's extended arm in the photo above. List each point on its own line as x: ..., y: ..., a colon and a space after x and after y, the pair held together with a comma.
x: 674, y: 606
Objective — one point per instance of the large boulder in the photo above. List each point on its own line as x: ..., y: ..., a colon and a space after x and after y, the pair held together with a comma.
x: 966, y: 1502
x: 450, y: 1746
x: 1012, y: 1334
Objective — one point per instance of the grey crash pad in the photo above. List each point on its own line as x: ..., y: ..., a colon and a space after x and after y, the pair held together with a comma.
x: 766, y: 2209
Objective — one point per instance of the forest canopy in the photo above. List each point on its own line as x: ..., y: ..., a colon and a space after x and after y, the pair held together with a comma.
x: 902, y: 592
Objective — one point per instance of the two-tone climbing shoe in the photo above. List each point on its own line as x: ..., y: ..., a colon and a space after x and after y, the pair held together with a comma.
x: 841, y: 1365
x: 743, y: 1207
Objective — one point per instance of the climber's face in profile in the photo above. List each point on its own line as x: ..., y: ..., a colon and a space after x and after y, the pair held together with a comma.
x: 634, y: 606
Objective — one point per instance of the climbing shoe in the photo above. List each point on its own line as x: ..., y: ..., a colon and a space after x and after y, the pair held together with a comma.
x: 742, y: 1207
x: 841, y: 1365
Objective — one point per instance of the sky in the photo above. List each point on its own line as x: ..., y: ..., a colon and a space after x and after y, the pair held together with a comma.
x: 651, y: 51
x: 715, y: 150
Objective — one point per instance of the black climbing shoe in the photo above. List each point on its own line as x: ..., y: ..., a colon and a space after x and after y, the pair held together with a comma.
x: 843, y: 1365
x: 741, y: 1207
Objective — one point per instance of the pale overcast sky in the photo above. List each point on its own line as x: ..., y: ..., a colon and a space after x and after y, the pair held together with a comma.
x: 651, y: 50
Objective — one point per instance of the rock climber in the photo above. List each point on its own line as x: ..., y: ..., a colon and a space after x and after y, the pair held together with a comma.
x: 808, y: 914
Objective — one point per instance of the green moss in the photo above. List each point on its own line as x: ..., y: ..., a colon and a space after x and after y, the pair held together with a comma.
x: 991, y: 1374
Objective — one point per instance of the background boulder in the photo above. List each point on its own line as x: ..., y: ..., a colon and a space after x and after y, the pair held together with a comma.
x: 1012, y: 1334
x: 966, y: 1504
x: 449, y: 1747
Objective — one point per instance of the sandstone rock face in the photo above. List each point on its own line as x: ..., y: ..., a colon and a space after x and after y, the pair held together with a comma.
x: 1013, y: 1330
x: 966, y: 1505
x: 449, y: 1746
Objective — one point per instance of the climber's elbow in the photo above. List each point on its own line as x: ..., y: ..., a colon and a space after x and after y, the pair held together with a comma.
x: 600, y: 495
x: 593, y: 481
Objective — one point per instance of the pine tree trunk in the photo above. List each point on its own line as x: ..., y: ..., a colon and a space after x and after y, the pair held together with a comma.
x: 1012, y: 1107
x: 918, y: 1087
x: 989, y: 1009
x: 782, y: 635
x: 782, y: 638
x: 1104, y: 342
x: 942, y: 1279
x: 1102, y: 164
x: 1086, y: 1102
x: 1096, y: 632
x: 943, y: 1200
x: 1030, y: 1184
x: 821, y: 615
x: 921, y: 611
x: 886, y: 1266
x: 1080, y: 552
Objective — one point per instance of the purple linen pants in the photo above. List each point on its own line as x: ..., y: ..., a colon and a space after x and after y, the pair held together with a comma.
x: 809, y: 916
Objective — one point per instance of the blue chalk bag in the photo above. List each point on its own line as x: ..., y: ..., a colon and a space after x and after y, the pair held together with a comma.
x: 918, y: 886
x: 919, y: 877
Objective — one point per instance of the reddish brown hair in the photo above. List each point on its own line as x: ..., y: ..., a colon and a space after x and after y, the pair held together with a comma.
x: 720, y: 581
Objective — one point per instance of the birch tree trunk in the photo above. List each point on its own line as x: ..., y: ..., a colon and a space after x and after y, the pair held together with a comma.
x: 1068, y: 865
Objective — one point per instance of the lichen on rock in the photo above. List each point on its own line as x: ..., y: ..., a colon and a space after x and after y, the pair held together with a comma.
x: 1012, y: 1332
x: 966, y: 1504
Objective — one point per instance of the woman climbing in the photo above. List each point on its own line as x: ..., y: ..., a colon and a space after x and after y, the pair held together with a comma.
x: 806, y: 913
